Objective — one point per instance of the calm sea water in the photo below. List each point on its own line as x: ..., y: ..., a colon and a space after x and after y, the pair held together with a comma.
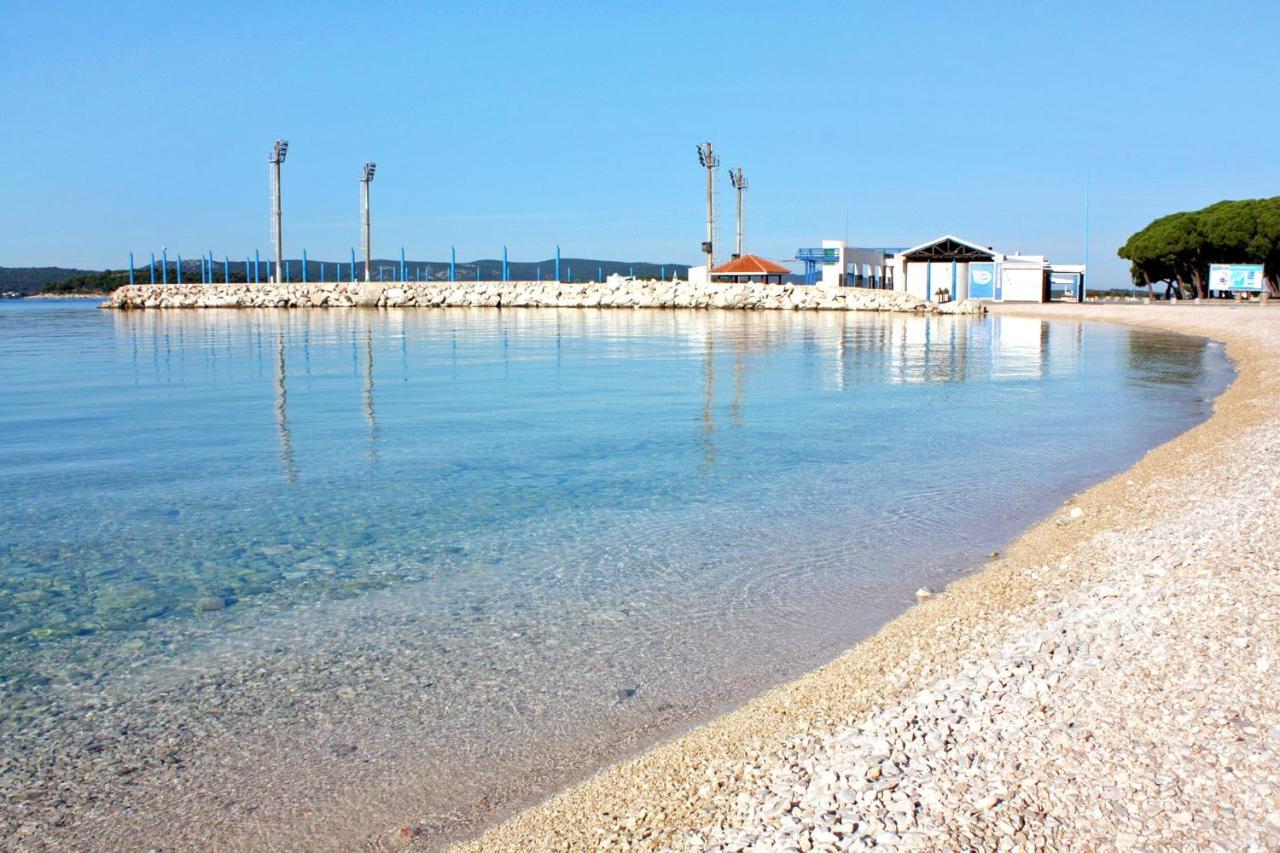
x: 574, y: 527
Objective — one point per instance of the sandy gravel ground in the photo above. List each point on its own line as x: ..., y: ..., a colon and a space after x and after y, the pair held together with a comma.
x: 1111, y: 682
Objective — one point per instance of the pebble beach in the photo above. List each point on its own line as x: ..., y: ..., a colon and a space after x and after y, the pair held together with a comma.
x: 1108, y: 682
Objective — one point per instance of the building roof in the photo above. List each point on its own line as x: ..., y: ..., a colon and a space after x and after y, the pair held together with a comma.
x: 751, y: 265
x: 949, y: 248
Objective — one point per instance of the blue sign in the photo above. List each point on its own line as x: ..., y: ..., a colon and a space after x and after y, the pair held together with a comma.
x: 982, y: 281
x: 1236, y: 278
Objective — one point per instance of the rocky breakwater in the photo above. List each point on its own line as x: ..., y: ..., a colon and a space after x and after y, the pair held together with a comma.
x: 526, y: 294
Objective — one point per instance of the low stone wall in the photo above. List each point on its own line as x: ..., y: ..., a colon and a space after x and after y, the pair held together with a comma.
x: 524, y: 294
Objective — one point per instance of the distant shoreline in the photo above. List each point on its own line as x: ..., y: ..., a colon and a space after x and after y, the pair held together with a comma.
x: 66, y: 296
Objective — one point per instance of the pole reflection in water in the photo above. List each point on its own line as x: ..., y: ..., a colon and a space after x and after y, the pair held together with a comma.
x: 282, y: 419
x: 708, y: 404
x: 370, y: 415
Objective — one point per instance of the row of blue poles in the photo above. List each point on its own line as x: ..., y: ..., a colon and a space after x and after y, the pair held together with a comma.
x: 253, y: 272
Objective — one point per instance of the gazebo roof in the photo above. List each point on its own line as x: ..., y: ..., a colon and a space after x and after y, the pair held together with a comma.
x: 751, y: 265
x: 949, y: 248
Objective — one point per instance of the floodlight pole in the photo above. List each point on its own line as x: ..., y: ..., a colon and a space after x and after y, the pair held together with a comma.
x: 365, y: 180
x: 707, y: 157
x: 276, y: 159
x: 739, y: 182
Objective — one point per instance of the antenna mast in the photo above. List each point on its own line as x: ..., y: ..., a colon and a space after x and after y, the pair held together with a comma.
x: 739, y: 182
x: 709, y: 161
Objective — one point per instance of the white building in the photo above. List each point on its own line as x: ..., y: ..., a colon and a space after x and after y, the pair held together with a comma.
x: 949, y: 268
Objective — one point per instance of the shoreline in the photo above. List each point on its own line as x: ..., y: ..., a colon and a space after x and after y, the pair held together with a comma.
x: 708, y: 787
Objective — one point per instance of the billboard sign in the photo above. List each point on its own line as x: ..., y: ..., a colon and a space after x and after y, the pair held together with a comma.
x: 1236, y: 278
x: 982, y: 281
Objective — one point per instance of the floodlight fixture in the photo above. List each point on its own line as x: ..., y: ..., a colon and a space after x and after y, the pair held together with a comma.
x: 369, y: 169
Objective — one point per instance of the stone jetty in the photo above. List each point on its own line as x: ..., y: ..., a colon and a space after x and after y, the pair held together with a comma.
x: 626, y: 293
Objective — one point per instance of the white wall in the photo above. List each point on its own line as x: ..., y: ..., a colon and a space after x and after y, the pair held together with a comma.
x: 1022, y: 278
x: 831, y: 272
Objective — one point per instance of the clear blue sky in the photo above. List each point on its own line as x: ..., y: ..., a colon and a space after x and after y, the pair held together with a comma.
x: 134, y: 125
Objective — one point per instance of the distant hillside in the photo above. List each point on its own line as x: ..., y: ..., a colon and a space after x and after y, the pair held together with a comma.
x: 31, y: 279
x: 60, y: 280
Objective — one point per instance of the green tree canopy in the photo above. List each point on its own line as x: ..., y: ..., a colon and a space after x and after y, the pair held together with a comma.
x: 1177, y: 249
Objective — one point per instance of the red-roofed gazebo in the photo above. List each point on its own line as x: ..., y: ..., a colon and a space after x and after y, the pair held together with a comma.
x: 749, y: 268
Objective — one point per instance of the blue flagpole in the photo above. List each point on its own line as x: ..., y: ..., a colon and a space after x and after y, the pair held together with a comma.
x: 256, y: 264
x: 453, y: 264
x: 504, y: 263
x: 226, y: 269
x: 557, y: 262
x: 304, y: 266
x: 153, y: 267
x: 178, y: 270
x: 353, y: 263
x: 402, y: 263
x: 131, y: 268
x: 164, y: 266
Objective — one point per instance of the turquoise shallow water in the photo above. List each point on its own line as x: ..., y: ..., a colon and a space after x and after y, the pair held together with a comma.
x: 690, y: 505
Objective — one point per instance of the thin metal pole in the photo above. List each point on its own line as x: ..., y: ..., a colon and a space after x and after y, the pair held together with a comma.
x: 153, y: 267
x: 275, y: 213
x: 164, y: 266
x: 256, y: 264
x: 557, y: 262
x: 1083, y: 290
x: 353, y: 263
x: 711, y: 164
x: 741, y: 190
x: 178, y: 270
x: 453, y: 263
x: 504, y: 263
x: 368, y: 255
x: 226, y: 269
x: 402, y: 263
x: 304, y: 266
x: 131, y: 268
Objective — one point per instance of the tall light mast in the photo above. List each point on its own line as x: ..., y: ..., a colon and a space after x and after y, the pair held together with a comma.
x: 707, y: 157
x: 275, y: 159
x: 365, y: 180
x: 739, y: 182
